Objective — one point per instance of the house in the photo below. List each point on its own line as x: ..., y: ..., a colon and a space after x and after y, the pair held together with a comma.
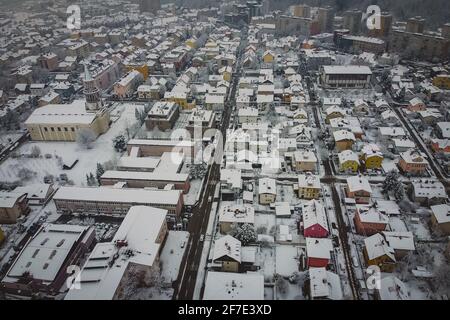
x: 235, y: 214
x: 126, y: 86
x: 388, y: 133
x: 440, y: 145
x: 227, y: 251
x: 416, y: 105
x: 443, y: 130
x: 37, y: 194
x: 334, y: 112
x: 344, y: 139
x: 392, y: 288
x: 428, y: 192
x: 282, y: 210
x: 371, y: 156
x: 214, y: 102
x: 358, y: 188
x: 377, y: 252
x: 315, y: 223
x: 430, y: 116
x: 440, y: 218
x: 136, y: 247
x: 230, y: 286
x: 401, y: 242
x: 360, y: 107
x: 268, y: 56
x: 324, y: 284
x: 348, y: 161
x: 309, y: 186
x: 350, y: 124
x: 162, y: 115
x: 304, y: 161
x: 318, y: 251
x: 267, y: 190
x: 230, y: 183
x: 12, y: 206
x: 369, y: 220
x: 403, y: 144
x: 381, y: 105
x: 248, y: 115
x: 41, y: 266
x: 412, y: 162
x: 389, y: 116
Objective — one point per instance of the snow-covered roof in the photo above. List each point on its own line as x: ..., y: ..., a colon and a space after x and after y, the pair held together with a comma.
x: 108, y: 262
x: 347, y: 155
x: 309, y: 181
x: 389, y: 207
x: 403, y: 143
x: 267, y: 185
x: 377, y: 246
x: 314, y: 213
x: 319, y: 248
x: 304, y: 156
x: 441, y: 212
x: 400, y: 240
x: 104, y: 194
x: 237, y: 213
x: 73, y: 113
x: 325, y: 284
x: 370, y: 214
x: 413, y: 156
x: 227, y: 246
x: 45, y: 253
x: 348, y: 69
x: 147, y: 176
x: 392, y: 288
x: 392, y: 131
x: 234, y: 286
x: 358, y: 183
x: 232, y: 177
x: 444, y: 127
x: 282, y: 209
x: 138, y: 162
x: 343, y: 135
x: 34, y: 191
x: 428, y: 189
x: 9, y: 199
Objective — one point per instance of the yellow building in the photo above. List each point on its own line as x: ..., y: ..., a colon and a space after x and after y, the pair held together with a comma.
x: 268, y: 57
x: 142, y: 68
x: 371, y: 156
x: 348, y: 161
x: 62, y: 122
x: 191, y: 43
x: 226, y: 73
x: 442, y: 81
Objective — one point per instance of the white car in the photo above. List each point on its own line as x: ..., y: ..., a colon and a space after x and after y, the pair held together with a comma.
x: 202, y: 237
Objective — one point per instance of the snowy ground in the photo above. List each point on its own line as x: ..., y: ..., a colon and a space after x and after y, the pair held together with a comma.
x: 102, y: 151
x: 172, y: 254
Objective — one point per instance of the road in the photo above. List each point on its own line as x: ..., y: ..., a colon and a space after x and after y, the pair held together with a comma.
x: 198, y: 223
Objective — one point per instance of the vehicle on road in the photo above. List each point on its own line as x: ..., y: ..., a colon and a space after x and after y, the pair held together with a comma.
x: 202, y: 238
x: 183, y: 243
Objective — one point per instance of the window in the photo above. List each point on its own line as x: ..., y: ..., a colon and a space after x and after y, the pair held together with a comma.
x: 45, y: 129
x: 53, y: 129
x: 73, y: 129
x: 59, y: 129
x: 65, y: 129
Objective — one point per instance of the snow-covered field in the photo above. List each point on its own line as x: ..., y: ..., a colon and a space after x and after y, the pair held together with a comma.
x: 102, y: 151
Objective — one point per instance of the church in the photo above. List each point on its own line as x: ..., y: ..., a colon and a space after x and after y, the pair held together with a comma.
x: 62, y: 122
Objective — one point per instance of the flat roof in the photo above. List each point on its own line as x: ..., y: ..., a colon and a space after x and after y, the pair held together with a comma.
x: 348, y: 69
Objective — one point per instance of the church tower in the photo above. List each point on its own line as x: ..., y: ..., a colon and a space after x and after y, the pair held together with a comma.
x: 91, y: 92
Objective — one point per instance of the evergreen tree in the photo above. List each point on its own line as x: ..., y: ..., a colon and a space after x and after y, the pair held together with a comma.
x: 120, y: 143
x: 100, y: 171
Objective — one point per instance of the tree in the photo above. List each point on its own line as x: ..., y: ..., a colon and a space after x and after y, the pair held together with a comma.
x: 120, y: 143
x: 85, y: 138
x: 25, y: 174
x: 35, y: 152
x: 442, y: 279
x: 281, y: 285
x: 100, y: 171
x: 244, y: 233
x: 392, y: 184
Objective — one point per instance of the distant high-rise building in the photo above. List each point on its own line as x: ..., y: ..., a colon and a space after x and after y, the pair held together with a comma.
x: 385, y: 26
x: 150, y: 5
x: 91, y: 92
x: 326, y: 18
x: 415, y: 25
x: 352, y: 21
x: 301, y: 10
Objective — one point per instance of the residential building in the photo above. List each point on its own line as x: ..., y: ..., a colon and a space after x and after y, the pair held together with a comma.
x: 232, y: 286
x: 358, y: 188
x: 235, y: 214
x: 318, y: 251
x: 428, y: 192
x: 348, y: 161
x: 413, y: 162
x: 369, y: 220
x: 377, y: 252
x: 440, y: 218
x: 324, y: 285
x: 267, y: 191
x: 309, y: 186
x: 162, y: 115
x: 350, y: 76
x: 136, y: 247
x: 12, y: 206
x: 315, y: 223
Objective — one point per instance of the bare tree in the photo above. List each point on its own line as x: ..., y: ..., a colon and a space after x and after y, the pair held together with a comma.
x: 85, y: 138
